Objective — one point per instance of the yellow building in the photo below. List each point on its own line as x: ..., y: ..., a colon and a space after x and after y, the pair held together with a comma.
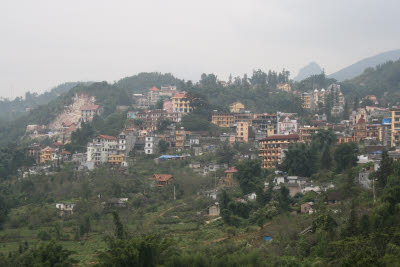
x: 395, y: 135
x: 242, y: 132
x: 270, y: 130
x: 306, y: 97
x: 306, y: 133
x: 236, y: 107
x: 181, y: 104
x: 271, y: 148
x: 116, y: 160
x: 46, y: 154
x: 284, y: 87
x: 222, y: 119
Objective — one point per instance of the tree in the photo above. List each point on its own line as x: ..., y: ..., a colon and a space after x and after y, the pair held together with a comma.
x: 385, y: 169
x: 345, y: 156
x: 225, y: 153
x: 163, y: 146
x: 249, y: 175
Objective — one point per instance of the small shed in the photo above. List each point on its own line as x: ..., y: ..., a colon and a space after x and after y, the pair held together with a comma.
x: 214, y: 209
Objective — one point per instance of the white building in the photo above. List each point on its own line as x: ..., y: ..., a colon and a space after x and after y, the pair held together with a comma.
x: 151, y: 144
x: 101, y: 147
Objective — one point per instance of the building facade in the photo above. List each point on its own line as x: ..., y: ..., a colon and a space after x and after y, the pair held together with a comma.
x: 272, y: 146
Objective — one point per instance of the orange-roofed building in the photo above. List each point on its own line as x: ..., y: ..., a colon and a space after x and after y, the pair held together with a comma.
x: 89, y: 111
x: 162, y: 179
x: 47, y: 154
x: 181, y: 104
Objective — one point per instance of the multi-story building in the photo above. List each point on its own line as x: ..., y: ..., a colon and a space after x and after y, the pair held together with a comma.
x: 223, y: 119
x: 181, y: 103
x: 101, y: 148
x: 272, y: 146
x: 243, y: 117
x: 242, y: 132
x: 263, y: 122
x: 372, y: 131
x: 89, y: 111
x: 306, y: 133
x: 284, y: 87
x: 153, y: 95
x: 236, y: 107
x: 395, y: 127
x: 151, y: 144
x: 306, y: 98
x: 168, y: 91
x: 126, y: 142
x: 287, y: 123
x: 180, y: 137
x: 150, y: 118
x: 385, y: 132
x: 140, y: 101
x: 47, y: 154
x: 360, y: 132
x: 117, y: 160
x: 167, y: 105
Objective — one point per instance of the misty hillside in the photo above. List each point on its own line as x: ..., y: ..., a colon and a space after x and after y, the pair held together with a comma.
x: 358, y: 67
x: 307, y: 71
x: 12, y: 109
x: 376, y: 81
x: 141, y: 82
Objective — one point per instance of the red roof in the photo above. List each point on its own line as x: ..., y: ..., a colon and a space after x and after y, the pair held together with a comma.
x: 65, y: 153
x: 154, y: 89
x: 232, y: 169
x: 48, y: 149
x: 179, y: 96
x: 361, y: 120
x: 90, y: 107
x: 57, y: 144
x: 162, y: 177
x: 109, y: 137
x: 281, y: 137
x: 68, y: 123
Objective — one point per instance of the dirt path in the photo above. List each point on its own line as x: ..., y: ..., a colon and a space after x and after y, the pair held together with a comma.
x: 162, y: 214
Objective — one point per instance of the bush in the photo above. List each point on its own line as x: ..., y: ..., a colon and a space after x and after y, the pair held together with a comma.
x: 43, y: 235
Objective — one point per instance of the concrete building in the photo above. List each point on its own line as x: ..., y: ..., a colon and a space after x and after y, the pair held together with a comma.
x: 181, y: 104
x: 271, y: 148
x: 284, y: 87
x: 395, y: 127
x: 89, y: 111
x: 223, y: 119
x: 101, y: 148
x: 236, y: 107
x: 306, y: 97
x: 242, y: 132
x: 287, y: 123
x: 151, y: 144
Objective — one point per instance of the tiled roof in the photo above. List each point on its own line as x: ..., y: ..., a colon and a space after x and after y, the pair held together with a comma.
x: 108, y: 137
x: 154, y: 89
x: 162, y: 177
x: 90, y: 107
x: 232, y: 169
x: 281, y: 137
x: 179, y: 96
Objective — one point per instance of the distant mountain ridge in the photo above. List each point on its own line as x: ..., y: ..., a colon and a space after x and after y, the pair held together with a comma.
x: 358, y: 68
x: 311, y: 69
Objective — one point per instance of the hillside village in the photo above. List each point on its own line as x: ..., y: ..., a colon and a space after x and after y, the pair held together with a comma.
x: 156, y: 132
x: 173, y: 160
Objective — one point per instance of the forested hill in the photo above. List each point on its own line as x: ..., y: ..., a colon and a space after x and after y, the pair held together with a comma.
x: 141, y: 82
x: 376, y: 81
x: 12, y: 109
x: 358, y: 68
x: 108, y: 96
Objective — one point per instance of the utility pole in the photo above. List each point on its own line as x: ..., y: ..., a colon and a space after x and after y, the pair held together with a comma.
x: 174, y: 193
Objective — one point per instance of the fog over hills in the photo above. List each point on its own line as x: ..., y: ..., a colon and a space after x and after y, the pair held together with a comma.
x: 370, y: 62
x: 311, y: 69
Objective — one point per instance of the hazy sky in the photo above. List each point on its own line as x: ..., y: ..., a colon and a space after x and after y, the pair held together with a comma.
x: 46, y: 42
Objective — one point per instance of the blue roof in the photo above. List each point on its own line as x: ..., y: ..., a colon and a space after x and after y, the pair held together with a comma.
x: 267, y: 238
x: 386, y: 120
x: 168, y: 156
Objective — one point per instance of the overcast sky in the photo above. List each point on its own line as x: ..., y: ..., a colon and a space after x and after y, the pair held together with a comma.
x: 47, y: 42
